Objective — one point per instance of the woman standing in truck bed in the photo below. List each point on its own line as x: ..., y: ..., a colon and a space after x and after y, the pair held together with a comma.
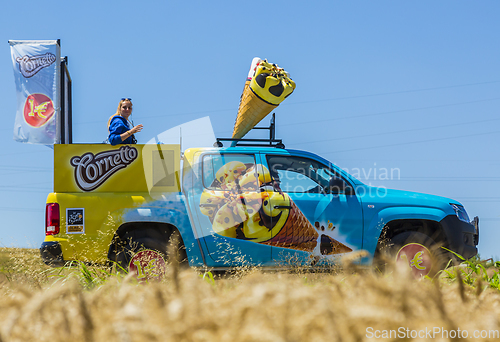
x: 121, y: 130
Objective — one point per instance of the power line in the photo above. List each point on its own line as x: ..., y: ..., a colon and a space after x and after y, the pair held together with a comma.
x: 395, y: 132
x: 17, y: 153
x: 390, y: 112
x: 314, y: 101
x: 21, y: 209
x: 19, y: 189
x: 19, y: 172
x: 167, y: 115
x: 412, y: 142
x: 20, y: 167
x: 320, y: 100
x: 380, y: 113
x: 394, y: 92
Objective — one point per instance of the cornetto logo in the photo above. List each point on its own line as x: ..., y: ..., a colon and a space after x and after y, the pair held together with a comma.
x: 91, y: 171
x: 30, y: 65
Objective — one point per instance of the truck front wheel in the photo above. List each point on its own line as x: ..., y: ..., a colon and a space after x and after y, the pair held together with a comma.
x: 418, y: 251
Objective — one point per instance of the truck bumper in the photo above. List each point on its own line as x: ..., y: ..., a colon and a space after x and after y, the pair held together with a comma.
x: 463, y: 237
x: 51, y: 253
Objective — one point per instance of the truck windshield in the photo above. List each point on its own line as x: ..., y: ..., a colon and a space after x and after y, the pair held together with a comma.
x: 297, y: 174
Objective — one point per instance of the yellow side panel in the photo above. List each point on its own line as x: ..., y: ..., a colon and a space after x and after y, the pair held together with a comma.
x: 97, y: 184
x: 121, y: 168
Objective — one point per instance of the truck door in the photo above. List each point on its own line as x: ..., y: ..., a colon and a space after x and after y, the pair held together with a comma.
x: 324, y: 217
x: 229, y: 200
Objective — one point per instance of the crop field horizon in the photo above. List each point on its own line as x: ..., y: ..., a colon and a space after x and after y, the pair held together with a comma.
x: 91, y: 303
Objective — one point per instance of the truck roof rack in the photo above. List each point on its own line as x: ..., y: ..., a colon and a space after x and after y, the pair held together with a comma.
x: 271, y: 142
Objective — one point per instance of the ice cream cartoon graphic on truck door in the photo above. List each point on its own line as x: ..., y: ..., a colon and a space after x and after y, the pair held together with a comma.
x: 244, y: 201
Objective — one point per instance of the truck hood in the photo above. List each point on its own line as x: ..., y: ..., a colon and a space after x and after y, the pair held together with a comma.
x: 393, y: 197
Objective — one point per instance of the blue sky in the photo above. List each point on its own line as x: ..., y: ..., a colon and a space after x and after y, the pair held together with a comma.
x: 381, y: 85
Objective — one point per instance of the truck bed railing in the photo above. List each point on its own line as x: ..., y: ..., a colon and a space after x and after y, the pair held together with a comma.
x: 271, y: 142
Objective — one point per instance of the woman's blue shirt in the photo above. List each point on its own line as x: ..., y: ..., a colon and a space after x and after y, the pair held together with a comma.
x: 119, y: 125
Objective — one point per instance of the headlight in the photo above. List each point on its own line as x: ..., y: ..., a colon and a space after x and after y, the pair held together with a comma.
x: 461, y: 213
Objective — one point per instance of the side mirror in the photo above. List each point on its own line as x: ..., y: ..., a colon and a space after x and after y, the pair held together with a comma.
x: 349, y: 190
x: 338, y: 186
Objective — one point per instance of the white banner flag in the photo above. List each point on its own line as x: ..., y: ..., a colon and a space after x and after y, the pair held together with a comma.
x: 37, y: 75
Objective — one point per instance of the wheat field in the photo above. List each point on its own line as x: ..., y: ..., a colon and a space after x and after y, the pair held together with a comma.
x: 78, y: 303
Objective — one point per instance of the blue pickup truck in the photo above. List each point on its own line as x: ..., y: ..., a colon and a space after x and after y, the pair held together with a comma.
x: 265, y: 206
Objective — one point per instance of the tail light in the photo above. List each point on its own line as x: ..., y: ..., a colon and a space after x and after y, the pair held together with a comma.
x: 52, y: 219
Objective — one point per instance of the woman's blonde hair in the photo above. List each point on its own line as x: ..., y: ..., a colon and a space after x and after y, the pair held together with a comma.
x: 118, y: 110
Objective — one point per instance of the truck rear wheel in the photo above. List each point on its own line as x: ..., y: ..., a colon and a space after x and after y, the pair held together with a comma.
x: 145, y: 257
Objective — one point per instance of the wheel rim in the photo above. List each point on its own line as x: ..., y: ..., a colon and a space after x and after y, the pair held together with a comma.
x: 417, y: 257
x: 147, y: 265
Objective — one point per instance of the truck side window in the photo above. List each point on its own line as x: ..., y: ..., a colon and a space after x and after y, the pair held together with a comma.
x: 303, y: 175
x: 223, y: 171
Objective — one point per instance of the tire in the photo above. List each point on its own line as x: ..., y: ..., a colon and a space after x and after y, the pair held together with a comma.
x: 420, y: 252
x: 146, y: 257
x: 163, y: 246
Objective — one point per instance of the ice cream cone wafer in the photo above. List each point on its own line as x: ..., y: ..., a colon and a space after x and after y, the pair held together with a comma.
x: 251, y: 111
x: 330, y: 246
x: 247, y: 84
x: 297, y: 232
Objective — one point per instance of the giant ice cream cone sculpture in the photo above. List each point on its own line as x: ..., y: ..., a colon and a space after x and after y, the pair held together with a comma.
x: 264, y: 91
